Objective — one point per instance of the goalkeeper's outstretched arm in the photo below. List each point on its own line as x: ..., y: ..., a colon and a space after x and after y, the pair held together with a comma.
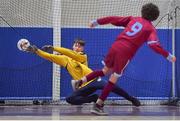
x: 58, y: 59
x: 78, y: 56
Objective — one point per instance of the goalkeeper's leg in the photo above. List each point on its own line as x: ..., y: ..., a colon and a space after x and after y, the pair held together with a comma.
x: 79, y: 100
x: 85, y: 94
x: 123, y: 93
x: 100, y: 84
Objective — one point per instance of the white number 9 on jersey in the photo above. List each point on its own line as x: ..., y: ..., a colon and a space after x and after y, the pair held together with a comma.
x: 136, y: 27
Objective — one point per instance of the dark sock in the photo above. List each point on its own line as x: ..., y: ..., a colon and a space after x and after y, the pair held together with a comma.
x: 94, y: 74
x: 121, y: 92
x: 107, y: 89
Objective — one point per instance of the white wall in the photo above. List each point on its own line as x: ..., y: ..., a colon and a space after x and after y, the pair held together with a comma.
x: 74, y: 13
x: 36, y: 13
x: 78, y: 13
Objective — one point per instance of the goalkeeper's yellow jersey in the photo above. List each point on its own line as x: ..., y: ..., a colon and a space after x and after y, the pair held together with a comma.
x: 75, y: 62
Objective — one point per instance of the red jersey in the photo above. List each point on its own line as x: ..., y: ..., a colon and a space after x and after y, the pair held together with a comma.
x: 137, y: 31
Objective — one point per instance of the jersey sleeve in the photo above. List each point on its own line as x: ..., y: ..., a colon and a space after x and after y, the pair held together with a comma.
x: 80, y: 57
x: 154, y: 44
x: 114, y: 20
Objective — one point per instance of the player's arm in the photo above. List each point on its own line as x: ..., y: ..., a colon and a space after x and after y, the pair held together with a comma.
x: 72, y: 54
x: 154, y: 44
x: 114, y: 20
x: 80, y: 57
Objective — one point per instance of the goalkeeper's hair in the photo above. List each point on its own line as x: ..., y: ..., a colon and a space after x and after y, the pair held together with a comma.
x: 79, y: 41
x: 150, y: 11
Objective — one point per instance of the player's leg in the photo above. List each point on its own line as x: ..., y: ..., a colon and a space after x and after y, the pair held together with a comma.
x: 119, y: 91
x: 91, y: 76
x: 99, y: 85
x: 106, y: 70
x: 95, y: 74
x: 98, y: 107
x: 119, y: 63
x: 84, y: 94
x: 75, y: 99
x: 99, y: 73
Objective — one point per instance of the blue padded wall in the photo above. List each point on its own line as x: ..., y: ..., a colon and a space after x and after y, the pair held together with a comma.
x: 24, y: 75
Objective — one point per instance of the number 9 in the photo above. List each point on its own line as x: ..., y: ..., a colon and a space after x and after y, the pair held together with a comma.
x: 134, y: 29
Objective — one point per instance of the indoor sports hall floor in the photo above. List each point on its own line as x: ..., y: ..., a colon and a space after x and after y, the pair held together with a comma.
x: 69, y: 112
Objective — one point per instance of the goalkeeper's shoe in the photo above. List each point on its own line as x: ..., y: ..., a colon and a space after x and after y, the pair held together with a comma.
x: 135, y: 102
x: 32, y: 49
x: 98, y: 110
x: 48, y: 48
x: 36, y: 102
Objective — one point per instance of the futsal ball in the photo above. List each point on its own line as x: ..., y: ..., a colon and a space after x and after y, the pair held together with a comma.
x: 23, y: 44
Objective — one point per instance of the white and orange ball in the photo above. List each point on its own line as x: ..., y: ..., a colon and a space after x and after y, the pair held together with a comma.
x: 23, y: 44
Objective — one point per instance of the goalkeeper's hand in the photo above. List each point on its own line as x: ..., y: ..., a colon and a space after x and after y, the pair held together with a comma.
x: 93, y: 24
x: 48, y: 48
x: 171, y: 58
x: 32, y: 49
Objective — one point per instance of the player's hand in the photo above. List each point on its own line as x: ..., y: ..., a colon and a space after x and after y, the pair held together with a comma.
x: 32, y: 49
x: 47, y: 48
x: 171, y: 58
x: 93, y: 24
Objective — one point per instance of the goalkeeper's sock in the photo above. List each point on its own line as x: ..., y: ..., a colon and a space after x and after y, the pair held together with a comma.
x: 135, y: 102
x: 123, y: 93
x: 93, y: 75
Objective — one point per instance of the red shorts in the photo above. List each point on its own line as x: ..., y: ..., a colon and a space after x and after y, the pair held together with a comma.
x: 117, y: 61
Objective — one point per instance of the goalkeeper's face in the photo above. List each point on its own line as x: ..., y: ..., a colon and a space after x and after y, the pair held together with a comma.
x: 77, y: 47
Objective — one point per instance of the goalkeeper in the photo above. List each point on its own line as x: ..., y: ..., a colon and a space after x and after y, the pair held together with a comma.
x: 75, y: 61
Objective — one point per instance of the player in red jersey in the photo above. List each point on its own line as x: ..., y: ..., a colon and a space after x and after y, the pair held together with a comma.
x: 137, y: 31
